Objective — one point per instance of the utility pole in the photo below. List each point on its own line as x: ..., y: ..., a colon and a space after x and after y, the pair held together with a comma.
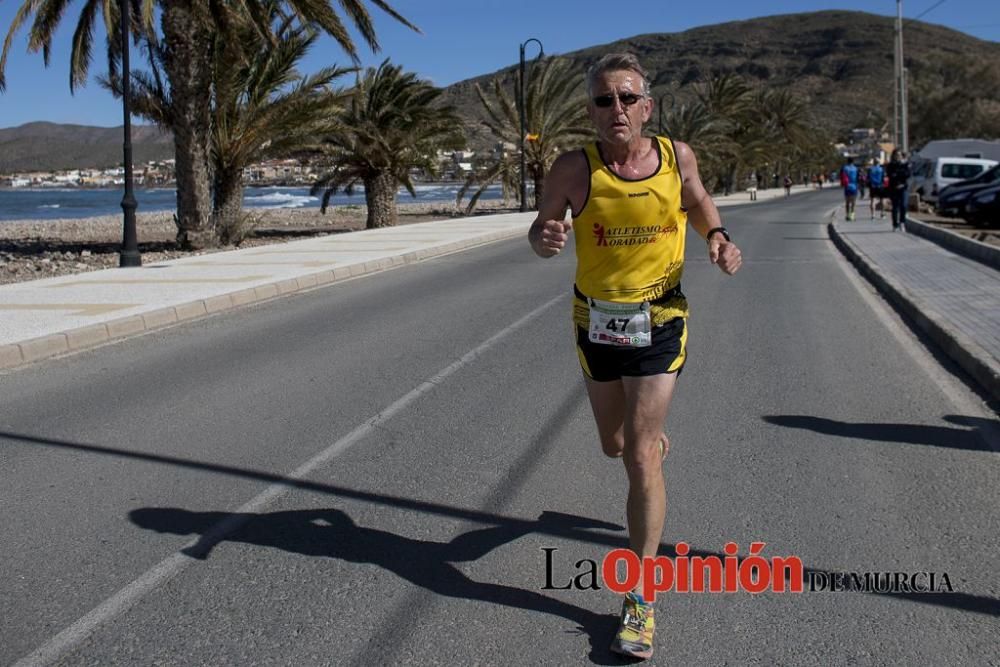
x: 900, y: 125
x: 895, y: 81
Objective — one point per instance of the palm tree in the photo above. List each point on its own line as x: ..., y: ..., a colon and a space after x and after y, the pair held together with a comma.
x: 786, y: 125
x: 391, y: 125
x: 264, y: 108
x: 556, y: 119
x: 261, y: 106
x: 188, y: 29
x: 727, y: 99
x: 692, y: 124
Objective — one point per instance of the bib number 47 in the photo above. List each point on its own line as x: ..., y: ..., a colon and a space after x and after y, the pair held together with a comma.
x: 618, y: 323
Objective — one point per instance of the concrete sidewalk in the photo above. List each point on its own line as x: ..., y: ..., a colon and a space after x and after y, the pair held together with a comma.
x: 953, y: 299
x: 45, y: 318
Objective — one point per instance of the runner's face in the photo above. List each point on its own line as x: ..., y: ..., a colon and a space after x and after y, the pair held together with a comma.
x: 619, y: 124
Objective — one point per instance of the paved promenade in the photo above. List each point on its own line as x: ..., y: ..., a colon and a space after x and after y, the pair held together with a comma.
x: 952, y: 299
x: 53, y: 316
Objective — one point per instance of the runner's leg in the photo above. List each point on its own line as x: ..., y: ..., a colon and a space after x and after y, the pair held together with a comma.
x: 607, y: 400
x: 647, y: 401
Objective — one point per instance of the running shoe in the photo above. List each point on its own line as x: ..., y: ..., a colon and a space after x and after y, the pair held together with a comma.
x: 635, y: 632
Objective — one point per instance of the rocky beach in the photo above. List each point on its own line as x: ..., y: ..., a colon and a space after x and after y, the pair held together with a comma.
x: 34, y: 249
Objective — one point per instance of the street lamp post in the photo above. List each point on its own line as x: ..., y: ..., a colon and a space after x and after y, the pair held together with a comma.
x: 130, y: 246
x: 524, y: 166
x: 659, y: 104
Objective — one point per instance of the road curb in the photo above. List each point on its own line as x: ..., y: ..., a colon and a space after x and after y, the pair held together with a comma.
x: 14, y: 355
x: 970, y: 356
x: 956, y: 243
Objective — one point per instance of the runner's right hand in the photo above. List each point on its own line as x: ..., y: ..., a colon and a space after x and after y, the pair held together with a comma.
x: 553, y: 237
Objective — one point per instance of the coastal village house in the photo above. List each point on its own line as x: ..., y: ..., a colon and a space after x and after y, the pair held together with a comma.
x: 453, y: 165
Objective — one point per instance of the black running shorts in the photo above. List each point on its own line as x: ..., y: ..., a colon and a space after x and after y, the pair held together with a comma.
x: 605, y: 363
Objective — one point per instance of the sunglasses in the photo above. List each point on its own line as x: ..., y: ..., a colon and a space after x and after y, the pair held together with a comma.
x: 627, y: 100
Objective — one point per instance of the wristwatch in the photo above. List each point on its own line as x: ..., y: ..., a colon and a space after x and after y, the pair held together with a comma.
x: 718, y: 230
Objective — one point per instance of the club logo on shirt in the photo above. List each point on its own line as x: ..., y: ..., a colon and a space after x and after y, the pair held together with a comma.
x: 630, y: 236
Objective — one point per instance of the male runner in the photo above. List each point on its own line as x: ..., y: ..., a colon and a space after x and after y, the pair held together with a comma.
x: 849, y: 179
x: 630, y: 197
x: 875, y: 176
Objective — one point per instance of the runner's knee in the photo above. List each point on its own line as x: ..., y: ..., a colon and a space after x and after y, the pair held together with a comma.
x: 613, y: 447
x: 647, y: 456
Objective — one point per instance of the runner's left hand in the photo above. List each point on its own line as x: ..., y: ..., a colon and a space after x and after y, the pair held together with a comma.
x: 725, y: 255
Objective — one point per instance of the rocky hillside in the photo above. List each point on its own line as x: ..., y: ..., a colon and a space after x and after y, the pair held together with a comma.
x: 842, y: 62
x: 51, y: 146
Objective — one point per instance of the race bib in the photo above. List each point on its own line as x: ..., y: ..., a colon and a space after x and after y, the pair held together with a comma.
x: 621, y: 324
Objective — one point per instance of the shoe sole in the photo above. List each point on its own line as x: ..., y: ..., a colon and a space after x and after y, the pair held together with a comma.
x: 631, y: 650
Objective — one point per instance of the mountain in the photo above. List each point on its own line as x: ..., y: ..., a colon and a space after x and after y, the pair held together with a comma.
x: 840, y: 61
x: 51, y: 146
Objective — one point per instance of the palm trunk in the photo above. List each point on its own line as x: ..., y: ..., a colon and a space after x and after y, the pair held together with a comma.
x: 539, y: 179
x: 730, y: 179
x: 227, y: 207
x: 380, y: 195
x: 188, y: 65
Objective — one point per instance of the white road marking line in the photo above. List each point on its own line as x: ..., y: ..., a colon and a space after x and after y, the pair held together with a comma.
x: 64, y: 642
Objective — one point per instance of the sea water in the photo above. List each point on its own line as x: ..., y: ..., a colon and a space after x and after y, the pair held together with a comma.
x: 50, y: 203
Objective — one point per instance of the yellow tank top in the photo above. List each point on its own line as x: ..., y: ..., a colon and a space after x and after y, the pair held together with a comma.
x: 630, y: 235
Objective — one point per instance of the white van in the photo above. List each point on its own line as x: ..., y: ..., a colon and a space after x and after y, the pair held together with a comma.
x: 928, y: 177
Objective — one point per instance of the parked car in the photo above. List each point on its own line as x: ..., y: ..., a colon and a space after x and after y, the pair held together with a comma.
x: 952, y: 198
x: 983, y: 208
x: 929, y: 177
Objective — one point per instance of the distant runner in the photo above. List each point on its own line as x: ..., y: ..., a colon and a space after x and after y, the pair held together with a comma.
x: 875, y: 176
x: 849, y: 180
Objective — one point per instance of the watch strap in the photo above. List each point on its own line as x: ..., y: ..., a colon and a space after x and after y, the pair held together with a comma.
x: 718, y: 230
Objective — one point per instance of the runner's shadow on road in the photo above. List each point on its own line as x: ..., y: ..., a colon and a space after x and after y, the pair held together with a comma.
x: 975, y: 439
x: 331, y: 533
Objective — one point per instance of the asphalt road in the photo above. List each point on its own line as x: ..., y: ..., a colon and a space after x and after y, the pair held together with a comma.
x: 368, y: 474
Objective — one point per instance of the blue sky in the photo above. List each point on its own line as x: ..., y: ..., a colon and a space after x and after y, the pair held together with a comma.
x: 460, y: 39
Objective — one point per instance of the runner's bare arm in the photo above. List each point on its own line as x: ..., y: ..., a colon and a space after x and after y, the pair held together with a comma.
x: 550, y: 230
x: 702, y: 213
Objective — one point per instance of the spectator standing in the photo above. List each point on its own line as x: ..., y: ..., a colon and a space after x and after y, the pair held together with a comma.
x: 899, y: 176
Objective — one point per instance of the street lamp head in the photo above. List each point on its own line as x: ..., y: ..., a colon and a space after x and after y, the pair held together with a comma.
x: 541, y: 49
x: 660, y: 107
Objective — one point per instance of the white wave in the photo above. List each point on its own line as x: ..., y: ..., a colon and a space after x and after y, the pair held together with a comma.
x: 280, y: 200
x: 50, y: 206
